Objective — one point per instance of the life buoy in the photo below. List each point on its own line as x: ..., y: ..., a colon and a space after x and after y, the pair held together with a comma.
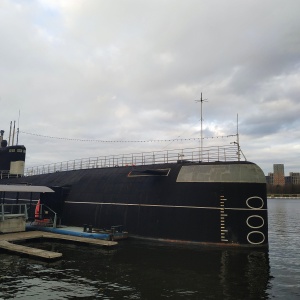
x: 38, y: 215
x: 37, y: 210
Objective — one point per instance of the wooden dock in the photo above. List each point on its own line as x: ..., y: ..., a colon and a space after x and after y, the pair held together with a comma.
x: 6, y: 242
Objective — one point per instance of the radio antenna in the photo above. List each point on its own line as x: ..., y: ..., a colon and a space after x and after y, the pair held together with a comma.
x: 9, y: 133
x: 239, y: 150
x: 201, y: 139
x: 18, y: 129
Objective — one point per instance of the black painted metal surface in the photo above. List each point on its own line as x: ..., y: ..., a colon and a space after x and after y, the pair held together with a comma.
x: 155, y: 205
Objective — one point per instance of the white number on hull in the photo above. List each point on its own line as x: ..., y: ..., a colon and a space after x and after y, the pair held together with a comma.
x: 251, y: 199
x: 256, y: 233
x: 255, y: 237
x: 255, y: 218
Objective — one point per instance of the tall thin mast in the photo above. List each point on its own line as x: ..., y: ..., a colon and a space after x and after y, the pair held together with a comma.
x: 201, y: 134
x: 237, y: 137
x: 14, y: 130
x: 18, y: 129
x: 9, y: 133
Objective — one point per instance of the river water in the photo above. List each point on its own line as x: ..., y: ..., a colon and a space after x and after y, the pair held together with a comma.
x: 143, y: 270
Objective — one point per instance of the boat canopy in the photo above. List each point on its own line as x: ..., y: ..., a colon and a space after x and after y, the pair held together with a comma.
x: 25, y: 188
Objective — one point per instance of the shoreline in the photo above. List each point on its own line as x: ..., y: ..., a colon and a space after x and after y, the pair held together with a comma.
x: 283, y: 196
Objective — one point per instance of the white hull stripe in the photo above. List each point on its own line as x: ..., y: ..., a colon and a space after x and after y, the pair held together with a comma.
x: 169, y: 206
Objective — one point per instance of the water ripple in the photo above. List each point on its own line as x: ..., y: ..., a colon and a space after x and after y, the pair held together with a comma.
x: 140, y: 270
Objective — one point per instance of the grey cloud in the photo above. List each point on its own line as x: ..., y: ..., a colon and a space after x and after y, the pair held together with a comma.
x: 132, y: 70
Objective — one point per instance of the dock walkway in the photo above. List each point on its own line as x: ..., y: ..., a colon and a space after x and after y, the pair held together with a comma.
x: 6, y: 242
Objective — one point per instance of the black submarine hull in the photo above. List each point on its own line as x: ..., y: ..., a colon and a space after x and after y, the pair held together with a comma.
x: 217, y: 203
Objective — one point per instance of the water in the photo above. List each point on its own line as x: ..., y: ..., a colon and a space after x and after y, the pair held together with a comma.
x: 140, y: 270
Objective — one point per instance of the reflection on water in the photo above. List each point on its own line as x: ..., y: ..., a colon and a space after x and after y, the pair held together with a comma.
x: 137, y: 270
x: 284, y: 229
x: 143, y: 270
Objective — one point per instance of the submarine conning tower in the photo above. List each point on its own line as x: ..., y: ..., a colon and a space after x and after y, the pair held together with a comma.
x: 3, y: 143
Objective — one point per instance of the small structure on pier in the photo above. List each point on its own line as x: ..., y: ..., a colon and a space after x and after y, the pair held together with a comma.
x: 13, y: 216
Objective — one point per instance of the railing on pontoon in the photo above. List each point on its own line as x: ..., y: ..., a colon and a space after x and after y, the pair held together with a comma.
x: 13, y: 210
x: 208, y: 154
x: 45, y: 217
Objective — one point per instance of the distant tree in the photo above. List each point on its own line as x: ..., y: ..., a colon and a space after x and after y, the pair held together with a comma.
x: 288, y: 188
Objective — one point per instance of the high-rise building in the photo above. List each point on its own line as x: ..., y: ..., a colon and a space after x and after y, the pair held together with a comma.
x: 294, y: 178
x: 270, y: 178
x: 278, y: 174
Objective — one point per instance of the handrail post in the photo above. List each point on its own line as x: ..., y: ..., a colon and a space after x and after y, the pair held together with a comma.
x: 55, y: 220
x: 26, y: 212
x: 2, y: 212
x: 55, y: 214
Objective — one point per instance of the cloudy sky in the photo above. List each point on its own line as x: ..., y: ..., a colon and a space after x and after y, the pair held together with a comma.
x: 131, y: 70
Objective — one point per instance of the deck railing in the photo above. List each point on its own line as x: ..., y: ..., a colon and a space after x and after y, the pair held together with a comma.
x: 208, y: 154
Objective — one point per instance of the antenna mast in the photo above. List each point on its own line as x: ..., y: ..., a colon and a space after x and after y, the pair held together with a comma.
x: 14, y: 130
x: 9, y: 133
x: 237, y: 137
x: 201, y: 147
x: 18, y: 129
x: 239, y: 150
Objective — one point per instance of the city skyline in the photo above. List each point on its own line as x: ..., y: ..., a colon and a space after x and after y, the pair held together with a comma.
x: 278, y: 176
